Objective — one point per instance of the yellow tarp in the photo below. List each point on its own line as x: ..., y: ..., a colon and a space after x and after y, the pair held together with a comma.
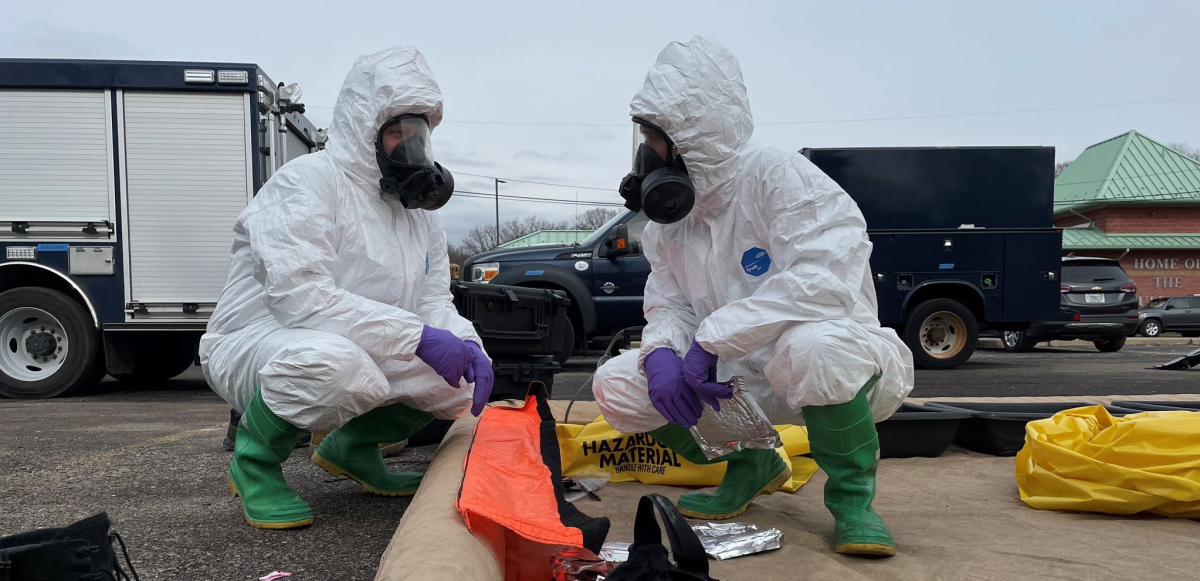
x: 597, y: 447
x: 1085, y: 459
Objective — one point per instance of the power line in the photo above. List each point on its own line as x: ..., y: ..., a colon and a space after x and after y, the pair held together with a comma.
x: 558, y: 202
x: 483, y: 195
x: 535, y: 200
x: 613, y: 189
x: 474, y: 175
x: 487, y: 196
x: 845, y: 120
x: 536, y: 123
x: 585, y: 202
x: 981, y: 113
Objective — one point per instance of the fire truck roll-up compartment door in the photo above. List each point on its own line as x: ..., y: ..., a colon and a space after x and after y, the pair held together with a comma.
x: 188, y: 176
x: 296, y: 145
x: 56, y: 163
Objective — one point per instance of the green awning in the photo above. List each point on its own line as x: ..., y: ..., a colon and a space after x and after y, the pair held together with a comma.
x: 1096, y: 239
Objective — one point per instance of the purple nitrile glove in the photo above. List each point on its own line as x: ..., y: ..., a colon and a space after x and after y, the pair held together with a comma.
x: 669, y: 392
x: 700, y: 372
x: 448, y: 355
x: 480, y: 373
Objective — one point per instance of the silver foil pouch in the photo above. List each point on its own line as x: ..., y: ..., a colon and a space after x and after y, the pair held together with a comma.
x: 726, y: 540
x: 740, y: 425
x: 578, y: 564
x: 615, y: 551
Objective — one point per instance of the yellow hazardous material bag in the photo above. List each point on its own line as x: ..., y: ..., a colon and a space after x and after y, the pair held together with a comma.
x: 598, y: 448
x: 1085, y: 459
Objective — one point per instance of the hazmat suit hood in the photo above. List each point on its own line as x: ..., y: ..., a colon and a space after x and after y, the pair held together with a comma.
x: 695, y: 94
x: 380, y: 86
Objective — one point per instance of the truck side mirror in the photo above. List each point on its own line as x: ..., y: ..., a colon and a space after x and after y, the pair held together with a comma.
x: 1169, y: 307
x: 618, y: 244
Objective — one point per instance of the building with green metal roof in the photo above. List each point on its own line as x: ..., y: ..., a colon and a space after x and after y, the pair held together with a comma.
x: 1127, y: 169
x: 548, y: 237
x: 1135, y: 199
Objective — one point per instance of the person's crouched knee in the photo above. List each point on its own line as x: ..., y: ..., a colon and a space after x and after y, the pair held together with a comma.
x: 804, y: 360
x: 323, y: 382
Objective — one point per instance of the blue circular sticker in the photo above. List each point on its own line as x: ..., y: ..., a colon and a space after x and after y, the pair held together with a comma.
x: 756, y: 261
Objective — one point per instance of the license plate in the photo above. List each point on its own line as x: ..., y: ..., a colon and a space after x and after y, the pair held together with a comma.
x: 1094, y: 298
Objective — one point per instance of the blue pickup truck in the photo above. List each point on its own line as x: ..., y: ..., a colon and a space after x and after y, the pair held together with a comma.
x: 604, y: 275
x: 963, y: 242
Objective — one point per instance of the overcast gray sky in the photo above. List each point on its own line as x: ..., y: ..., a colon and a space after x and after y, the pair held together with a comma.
x: 817, y: 62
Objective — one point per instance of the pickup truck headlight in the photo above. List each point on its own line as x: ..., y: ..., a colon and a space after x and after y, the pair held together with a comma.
x: 484, y: 271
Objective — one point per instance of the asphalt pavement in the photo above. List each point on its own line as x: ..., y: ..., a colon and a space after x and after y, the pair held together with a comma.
x: 1071, y: 370
x: 152, y: 459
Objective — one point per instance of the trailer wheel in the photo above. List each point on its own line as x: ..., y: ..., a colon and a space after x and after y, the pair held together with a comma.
x: 941, y: 333
x: 158, y: 360
x: 49, y: 345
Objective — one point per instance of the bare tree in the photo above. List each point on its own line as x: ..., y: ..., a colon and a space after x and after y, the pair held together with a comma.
x: 1059, y: 167
x: 483, y: 238
x: 594, y: 218
x: 479, y: 239
x: 458, y: 254
x: 518, y: 227
x: 1186, y: 149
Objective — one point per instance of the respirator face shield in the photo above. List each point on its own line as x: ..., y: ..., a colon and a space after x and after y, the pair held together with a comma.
x: 406, y: 140
x: 404, y: 150
x: 658, y: 183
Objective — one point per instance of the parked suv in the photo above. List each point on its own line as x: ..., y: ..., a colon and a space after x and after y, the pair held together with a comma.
x: 1165, y: 315
x: 1099, y: 304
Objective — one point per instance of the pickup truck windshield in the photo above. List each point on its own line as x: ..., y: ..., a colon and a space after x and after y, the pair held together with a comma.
x: 601, y: 231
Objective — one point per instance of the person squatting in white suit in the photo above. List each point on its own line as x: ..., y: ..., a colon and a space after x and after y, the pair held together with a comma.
x: 759, y: 268
x: 337, y: 314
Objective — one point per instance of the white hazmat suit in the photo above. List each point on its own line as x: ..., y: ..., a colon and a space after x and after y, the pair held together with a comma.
x: 770, y: 270
x: 331, y: 283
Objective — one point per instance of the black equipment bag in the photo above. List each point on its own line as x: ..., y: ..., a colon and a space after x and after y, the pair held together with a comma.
x: 648, y: 557
x: 80, y: 552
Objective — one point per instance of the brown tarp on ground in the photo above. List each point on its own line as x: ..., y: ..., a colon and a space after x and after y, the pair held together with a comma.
x: 432, y: 542
x: 954, y: 517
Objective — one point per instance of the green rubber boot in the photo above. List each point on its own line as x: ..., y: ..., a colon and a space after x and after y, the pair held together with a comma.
x: 845, y: 445
x: 263, y: 442
x: 353, y: 449
x: 749, y: 473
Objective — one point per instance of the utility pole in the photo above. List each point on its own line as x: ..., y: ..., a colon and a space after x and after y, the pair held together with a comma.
x: 498, y: 182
